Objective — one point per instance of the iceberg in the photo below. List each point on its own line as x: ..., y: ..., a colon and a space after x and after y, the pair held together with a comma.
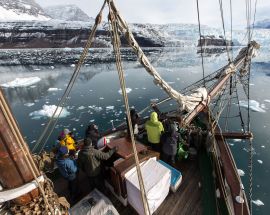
x: 258, y: 202
x: 21, y: 82
x: 253, y: 105
x: 48, y: 110
x: 240, y: 172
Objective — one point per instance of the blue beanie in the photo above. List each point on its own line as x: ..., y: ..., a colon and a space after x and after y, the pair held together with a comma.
x: 63, y: 150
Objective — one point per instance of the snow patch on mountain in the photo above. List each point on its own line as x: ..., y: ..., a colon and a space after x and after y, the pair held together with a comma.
x: 67, y: 13
x: 14, y: 10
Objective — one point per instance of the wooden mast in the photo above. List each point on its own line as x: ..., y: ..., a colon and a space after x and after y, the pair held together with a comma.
x: 14, y: 170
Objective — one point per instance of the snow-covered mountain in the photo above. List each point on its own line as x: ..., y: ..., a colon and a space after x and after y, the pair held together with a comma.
x: 11, y: 10
x: 263, y: 23
x: 67, y: 13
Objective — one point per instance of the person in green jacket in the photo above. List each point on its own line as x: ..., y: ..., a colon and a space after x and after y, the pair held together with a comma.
x: 89, y: 161
x: 154, y: 129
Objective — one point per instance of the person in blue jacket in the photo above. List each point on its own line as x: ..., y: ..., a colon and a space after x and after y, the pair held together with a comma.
x: 68, y: 169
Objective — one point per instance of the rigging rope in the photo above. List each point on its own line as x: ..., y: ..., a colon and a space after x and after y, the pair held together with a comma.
x: 51, y: 125
x: 231, y: 27
x: 199, y: 25
x: 116, y: 46
x: 224, y: 32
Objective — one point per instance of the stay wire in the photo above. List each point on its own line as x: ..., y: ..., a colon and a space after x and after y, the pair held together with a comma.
x: 199, y: 25
x: 224, y: 31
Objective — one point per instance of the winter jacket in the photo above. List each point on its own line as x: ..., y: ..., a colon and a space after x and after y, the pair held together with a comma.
x: 93, y: 134
x: 154, y: 128
x: 67, y: 168
x: 69, y: 142
x: 89, y: 160
x: 169, y: 142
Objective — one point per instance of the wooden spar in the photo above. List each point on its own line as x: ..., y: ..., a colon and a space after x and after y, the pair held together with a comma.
x: 14, y: 171
x: 234, y: 135
x: 223, y: 78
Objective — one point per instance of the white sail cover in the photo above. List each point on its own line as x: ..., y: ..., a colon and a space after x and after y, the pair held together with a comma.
x: 156, y: 178
x: 190, y: 102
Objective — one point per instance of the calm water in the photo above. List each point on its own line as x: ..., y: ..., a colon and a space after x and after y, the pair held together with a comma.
x: 95, y: 98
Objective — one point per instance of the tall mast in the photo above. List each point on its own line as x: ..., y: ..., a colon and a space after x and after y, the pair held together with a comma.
x: 14, y: 170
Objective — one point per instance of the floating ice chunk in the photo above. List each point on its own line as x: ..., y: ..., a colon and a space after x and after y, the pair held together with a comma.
x: 240, y: 172
x: 48, y: 110
x: 81, y: 108
x: 52, y: 67
x: 154, y: 100
x: 21, y: 82
x: 91, y: 120
x: 253, y: 105
x: 110, y: 107
x: 231, y: 144
x: 237, y: 140
x: 37, y: 69
x: 171, y: 82
x: 239, y: 199
x: 72, y: 65
x: 95, y: 108
x: 29, y: 104
x: 144, y: 88
x: 263, y: 146
x: 54, y: 89
x: 101, y: 98
x: 33, y: 141
x: 258, y: 202
x: 128, y: 90
x: 260, y: 161
x: 267, y: 100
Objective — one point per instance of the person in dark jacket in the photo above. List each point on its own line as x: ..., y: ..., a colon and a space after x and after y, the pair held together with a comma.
x: 169, y: 142
x: 92, y: 133
x: 134, y: 121
x: 89, y: 161
x: 68, y: 169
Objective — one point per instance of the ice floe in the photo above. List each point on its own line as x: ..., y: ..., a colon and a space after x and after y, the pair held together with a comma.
x: 258, y: 202
x: 95, y: 108
x: 21, y: 82
x: 260, y: 161
x: 128, y: 90
x: 48, y: 110
x: 81, y: 108
x: 54, y: 89
x: 101, y: 98
x: 240, y: 172
x: 110, y: 107
x: 253, y: 105
x: 72, y: 65
x: 29, y: 104
x: 267, y: 100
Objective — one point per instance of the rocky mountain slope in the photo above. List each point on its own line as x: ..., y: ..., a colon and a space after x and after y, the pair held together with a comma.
x: 67, y: 13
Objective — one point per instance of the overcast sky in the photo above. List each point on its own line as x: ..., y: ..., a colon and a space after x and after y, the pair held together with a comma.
x: 172, y: 11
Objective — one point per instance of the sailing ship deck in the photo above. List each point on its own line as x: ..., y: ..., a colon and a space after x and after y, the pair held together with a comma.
x: 187, y: 199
